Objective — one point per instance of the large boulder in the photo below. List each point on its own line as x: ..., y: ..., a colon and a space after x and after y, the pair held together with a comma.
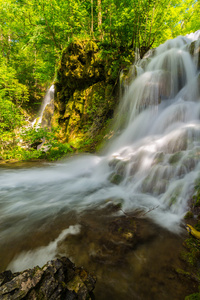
x: 86, y: 92
x: 58, y: 279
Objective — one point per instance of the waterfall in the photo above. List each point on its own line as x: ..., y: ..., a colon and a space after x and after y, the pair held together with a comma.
x: 47, y: 100
x: 157, y: 154
x: 155, y: 158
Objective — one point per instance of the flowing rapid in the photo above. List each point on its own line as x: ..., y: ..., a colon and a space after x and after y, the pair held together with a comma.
x: 155, y: 157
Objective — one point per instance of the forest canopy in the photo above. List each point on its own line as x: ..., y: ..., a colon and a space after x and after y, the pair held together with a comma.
x: 34, y: 33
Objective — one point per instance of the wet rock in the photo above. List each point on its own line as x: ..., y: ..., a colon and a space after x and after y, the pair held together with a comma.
x: 194, y: 50
x: 177, y: 143
x: 189, y: 215
x: 116, y: 179
x: 159, y: 158
x: 47, y: 114
x: 58, y: 279
x: 174, y: 158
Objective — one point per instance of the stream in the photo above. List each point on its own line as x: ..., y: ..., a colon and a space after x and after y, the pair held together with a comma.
x: 118, y: 214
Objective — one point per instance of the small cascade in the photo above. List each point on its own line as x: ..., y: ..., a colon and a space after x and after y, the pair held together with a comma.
x: 48, y: 101
x: 167, y: 73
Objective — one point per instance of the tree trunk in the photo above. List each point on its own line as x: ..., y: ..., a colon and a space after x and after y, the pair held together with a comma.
x: 92, y: 17
x: 99, y: 18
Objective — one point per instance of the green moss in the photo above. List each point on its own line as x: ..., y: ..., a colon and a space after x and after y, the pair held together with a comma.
x: 173, y: 200
x: 183, y: 272
x: 196, y: 197
x: 188, y: 215
x: 195, y: 296
x: 116, y: 178
x: 197, y: 226
x: 120, y: 229
x: 175, y: 194
x: 192, y: 255
x: 118, y: 206
x: 175, y: 158
x: 86, y: 92
x: 159, y: 158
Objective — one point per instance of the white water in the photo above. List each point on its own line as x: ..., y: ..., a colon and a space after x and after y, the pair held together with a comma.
x: 41, y: 255
x: 47, y: 99
x: 156, y: 155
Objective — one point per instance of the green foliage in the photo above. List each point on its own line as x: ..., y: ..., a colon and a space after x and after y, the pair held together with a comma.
x: 58, y: 150
x: 195, y: 296
x: 51, y: 148
x: 12, y: 95
x: 10, y: 88
x: 10, y: 116
x: 189, y: 215
x: 191, y: 20
x: 192, y: 255
x: 34, y: 34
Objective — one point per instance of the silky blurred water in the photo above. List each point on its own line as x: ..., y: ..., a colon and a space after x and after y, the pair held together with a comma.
x: 156, y: 156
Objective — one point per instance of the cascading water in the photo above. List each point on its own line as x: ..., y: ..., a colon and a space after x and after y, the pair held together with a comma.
x: 156, y: 157
x: 47, y: 100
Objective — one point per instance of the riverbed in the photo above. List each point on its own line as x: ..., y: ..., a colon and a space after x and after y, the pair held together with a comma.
x: 132, y: 256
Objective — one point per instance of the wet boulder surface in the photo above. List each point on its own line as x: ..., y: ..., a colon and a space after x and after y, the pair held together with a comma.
x: 57, y: 279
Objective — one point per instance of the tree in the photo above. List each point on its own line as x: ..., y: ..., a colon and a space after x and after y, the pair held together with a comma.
x: 34, y: 33
x: 191, y: 20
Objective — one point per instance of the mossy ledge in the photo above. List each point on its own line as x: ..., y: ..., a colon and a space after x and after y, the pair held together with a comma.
x: 87, y: 91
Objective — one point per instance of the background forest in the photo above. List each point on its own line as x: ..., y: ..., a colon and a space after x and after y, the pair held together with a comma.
x: 33, y: 35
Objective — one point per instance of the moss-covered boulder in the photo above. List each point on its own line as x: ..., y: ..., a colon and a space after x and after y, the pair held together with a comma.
x: 86, y: 92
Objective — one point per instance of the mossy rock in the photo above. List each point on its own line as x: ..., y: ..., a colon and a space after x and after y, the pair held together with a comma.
x: 175, y: 158
x: 116, y: 179
x: 159, y: 158
x: 189, y: 215
x: 57, y: 279
x: 86, y: 92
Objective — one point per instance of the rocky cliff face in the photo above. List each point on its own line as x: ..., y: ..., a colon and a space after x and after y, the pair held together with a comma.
x: 86, y: 92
